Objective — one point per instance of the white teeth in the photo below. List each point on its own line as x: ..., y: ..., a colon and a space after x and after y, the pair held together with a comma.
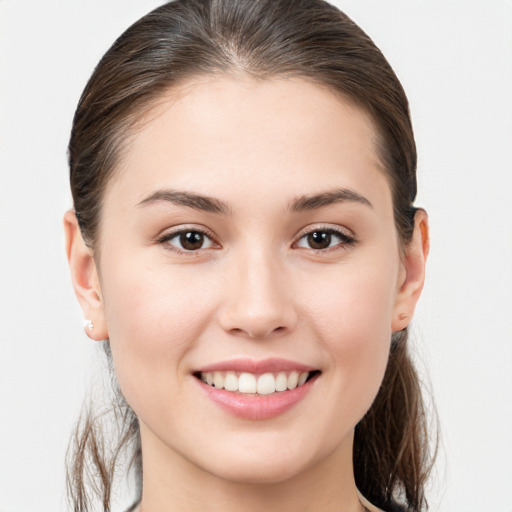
x: 292, y: 380
x: 218, y: 379
x: 281, y: 382
x: 247, y: 383
x: 302, y: 378
x: 264, y: 384
x: 231, y: 382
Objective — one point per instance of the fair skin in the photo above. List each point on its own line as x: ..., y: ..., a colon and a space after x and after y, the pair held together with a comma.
x: 253, y: 287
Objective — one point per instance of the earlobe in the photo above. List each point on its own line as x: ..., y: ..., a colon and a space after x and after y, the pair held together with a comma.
x: 84, y: 276
x: 413, y: 277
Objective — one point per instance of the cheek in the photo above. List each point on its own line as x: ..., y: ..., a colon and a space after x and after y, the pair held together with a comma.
x: 356, y: 299
x: 154, y: 316
x: 354, y: 326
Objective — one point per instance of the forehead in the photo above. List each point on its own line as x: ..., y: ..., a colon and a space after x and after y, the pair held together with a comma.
x: 219, y: 133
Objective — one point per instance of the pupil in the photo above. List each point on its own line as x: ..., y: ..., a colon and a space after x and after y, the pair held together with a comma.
x: 319, y: 240
x: 191, y: 240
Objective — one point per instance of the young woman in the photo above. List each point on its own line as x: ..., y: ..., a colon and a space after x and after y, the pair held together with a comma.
x: 244, y: 239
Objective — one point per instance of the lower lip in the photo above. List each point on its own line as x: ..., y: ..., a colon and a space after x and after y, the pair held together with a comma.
x: 257, y: 407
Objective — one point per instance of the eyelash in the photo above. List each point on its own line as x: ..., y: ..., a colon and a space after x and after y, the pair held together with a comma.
x: 345, y: 239
x: 167, y: 237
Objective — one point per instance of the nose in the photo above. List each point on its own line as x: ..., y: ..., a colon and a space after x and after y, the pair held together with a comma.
x: 258, y: 301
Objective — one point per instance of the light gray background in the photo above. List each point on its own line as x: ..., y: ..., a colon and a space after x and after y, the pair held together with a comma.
x: 454, y: 58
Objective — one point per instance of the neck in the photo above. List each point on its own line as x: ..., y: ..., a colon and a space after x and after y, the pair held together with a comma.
x: 173, y: 484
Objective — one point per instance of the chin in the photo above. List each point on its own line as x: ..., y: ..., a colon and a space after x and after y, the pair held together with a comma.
x: 259, y: 472
x: 265, y: 461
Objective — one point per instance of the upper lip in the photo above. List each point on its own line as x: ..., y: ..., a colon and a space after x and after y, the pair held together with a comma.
x: 271, y: 365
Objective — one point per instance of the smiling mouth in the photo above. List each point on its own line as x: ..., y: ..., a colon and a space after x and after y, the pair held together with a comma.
x: 245, y: 383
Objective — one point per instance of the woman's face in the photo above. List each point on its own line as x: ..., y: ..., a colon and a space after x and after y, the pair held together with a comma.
x: 248, y: 239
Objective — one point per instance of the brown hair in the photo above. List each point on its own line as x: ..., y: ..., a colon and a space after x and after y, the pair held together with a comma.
x: 308, y: 39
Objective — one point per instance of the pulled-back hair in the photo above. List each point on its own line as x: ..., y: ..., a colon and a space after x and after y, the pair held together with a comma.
x: 262, y: 39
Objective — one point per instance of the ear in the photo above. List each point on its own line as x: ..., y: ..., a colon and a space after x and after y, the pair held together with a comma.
x: 412, y: 275
x: 84, y: 276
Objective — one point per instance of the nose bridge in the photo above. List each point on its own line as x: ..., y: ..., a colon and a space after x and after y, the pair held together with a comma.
x: 258, y: 301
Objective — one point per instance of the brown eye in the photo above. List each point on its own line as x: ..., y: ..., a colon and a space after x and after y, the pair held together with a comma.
x: 188, y: 241
x: 191, y: 240
x: 319, y: 239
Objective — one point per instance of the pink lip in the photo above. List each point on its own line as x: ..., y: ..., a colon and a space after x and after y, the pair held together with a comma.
x: 255, y: 407
x: 256, y: 367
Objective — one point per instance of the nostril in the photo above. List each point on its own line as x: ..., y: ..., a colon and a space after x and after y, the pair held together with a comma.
x: 256, y: 332
x: 264, y: 333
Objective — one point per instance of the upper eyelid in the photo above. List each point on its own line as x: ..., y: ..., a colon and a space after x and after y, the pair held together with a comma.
x: 325, y: 227
x: 347, y: 238
x: 177, y: 230
x: 167, y: 236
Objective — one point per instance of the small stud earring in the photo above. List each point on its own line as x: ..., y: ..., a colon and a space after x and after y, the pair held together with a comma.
x: 403, y: 316
x: 88, y: 324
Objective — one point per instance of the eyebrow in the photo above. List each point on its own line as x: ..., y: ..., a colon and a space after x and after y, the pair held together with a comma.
x: 316, y: 201
x: 195, y: 201
x: 216, y: 206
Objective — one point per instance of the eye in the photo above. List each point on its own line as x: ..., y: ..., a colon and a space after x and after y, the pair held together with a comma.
x: 188, y: 240
x: 321, y: 239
